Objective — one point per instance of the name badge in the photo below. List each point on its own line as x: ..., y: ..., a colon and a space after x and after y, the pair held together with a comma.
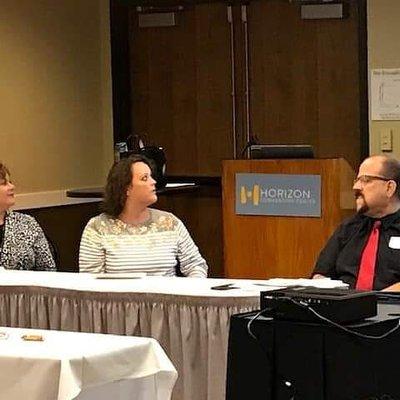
x: 394, y: 242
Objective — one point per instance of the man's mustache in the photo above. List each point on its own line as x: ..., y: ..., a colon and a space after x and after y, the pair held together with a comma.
x: 358, y: 193
x: 365, y: 207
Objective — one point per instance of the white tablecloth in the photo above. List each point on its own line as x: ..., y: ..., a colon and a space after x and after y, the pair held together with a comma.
x: 195, y: 287
x: 70, y: 365
x: 187, y: 317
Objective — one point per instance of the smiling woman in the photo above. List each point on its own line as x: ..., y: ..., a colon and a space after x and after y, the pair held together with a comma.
x: 131, y: 237
x: 23, y: 244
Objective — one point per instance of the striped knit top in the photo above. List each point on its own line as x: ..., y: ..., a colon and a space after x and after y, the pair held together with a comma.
x: 155, y: 247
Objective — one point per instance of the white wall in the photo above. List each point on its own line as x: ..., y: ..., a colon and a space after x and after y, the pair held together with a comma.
x: 55, y: 93
x: 384, y: 52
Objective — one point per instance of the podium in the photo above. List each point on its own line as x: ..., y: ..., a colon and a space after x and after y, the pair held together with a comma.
x: 268, y: 246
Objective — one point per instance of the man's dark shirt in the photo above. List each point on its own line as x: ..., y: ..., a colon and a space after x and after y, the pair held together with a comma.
x: 340, y: 258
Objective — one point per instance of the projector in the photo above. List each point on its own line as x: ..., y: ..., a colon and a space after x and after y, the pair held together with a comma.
x: 337, y: 305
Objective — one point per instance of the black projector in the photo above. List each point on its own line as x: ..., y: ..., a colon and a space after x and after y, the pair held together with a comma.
x: 338, y: 305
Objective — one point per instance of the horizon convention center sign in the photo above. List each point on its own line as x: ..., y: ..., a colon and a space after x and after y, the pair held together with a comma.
x: 278, y: 194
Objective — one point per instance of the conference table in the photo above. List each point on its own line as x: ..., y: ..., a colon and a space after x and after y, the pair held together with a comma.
x: 55, y: 365
x: 189, y: 317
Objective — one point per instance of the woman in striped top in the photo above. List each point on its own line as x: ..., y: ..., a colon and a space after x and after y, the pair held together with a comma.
x: 131, y: 237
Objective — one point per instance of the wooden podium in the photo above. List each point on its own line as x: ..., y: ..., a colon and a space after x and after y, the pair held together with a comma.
x: 259, y: 246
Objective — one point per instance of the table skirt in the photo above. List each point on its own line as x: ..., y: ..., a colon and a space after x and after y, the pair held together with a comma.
x: 192, y: 330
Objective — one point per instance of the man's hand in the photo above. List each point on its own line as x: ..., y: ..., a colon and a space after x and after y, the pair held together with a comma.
x: 392, y: 288
x: 319, y: 276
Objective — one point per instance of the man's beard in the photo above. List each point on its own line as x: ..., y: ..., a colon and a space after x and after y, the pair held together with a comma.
x: 364, y: 208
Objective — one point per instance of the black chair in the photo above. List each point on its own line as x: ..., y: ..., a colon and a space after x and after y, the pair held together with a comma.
x: 53, y: 250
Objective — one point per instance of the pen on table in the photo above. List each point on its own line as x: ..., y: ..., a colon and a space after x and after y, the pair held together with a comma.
x: 224, y: 287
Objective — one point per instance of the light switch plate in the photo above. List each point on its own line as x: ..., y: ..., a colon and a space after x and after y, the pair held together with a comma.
x: 386, y: 139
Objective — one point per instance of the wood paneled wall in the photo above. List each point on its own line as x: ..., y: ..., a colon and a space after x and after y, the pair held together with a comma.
x: 305, y: 82
x: 305, y: 85
x: 181, y: 88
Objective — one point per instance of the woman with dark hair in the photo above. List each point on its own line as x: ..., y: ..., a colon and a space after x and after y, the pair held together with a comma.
x: 131, y: 237
x: 23, y: 244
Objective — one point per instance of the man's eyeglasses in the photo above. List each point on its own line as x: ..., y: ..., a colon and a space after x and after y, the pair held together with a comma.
x: 364, y: 179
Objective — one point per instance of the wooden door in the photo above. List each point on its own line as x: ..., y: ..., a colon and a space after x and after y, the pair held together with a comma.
x: 305, y: 79
x: 181, y: 88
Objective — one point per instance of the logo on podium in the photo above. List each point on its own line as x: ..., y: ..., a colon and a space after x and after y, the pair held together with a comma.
x: 252, y: 195
x: 278, y: 194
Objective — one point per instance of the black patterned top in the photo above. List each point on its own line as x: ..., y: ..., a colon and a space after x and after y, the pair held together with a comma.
x: 1, y: 234
x: 24, y: 244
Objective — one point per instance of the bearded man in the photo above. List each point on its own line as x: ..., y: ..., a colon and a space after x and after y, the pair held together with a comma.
x: 364, y: 251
